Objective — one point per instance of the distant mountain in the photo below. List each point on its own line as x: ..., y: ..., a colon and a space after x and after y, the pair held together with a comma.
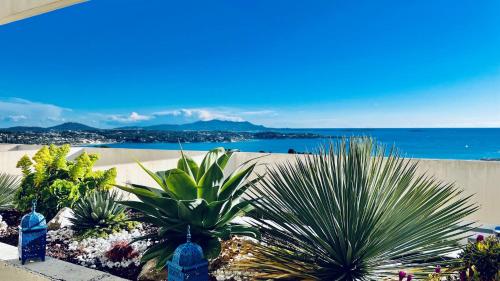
x: 23, y: 129
x: 68, y: 126
x: 212, y: 125
x: 71, y: 126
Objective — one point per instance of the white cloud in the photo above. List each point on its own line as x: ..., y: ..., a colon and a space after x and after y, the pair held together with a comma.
x: 168, y: 113
x: 16, y: 118
x: 260, y: 113
x: 133, y: 117
x: 21, y: 111
x: 201, y: 114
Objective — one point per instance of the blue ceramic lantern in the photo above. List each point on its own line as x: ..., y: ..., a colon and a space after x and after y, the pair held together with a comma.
x: 32, y: 236
x: 188, y: 263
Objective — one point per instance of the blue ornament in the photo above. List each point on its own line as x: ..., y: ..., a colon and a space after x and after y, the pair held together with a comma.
x: 32, y: 236
x: 188, y: 262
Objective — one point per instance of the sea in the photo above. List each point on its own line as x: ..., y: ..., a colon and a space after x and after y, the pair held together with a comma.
x: 432, y: 143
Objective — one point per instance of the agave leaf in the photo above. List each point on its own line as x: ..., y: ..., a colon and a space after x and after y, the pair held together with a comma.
x: 212, y: 213
x: 149, y: 219
x: 224, y: 159
x: 137, y: 191
x: 210, y: 158
x: 166, y: 254
x: 144, y: 238
x: 140, y: 206
x: 154, y: 251
x: 193, y: 211
x: 179, y: 229
x: 208, y: 185
x: 211, y: 247
x: 243, y: 188
x: 245, y: 230
x: 181, y: 185
x: 238, y: 209
x: 157, y: 179
x: 223, y: 232
x: 157, y: 191
x: 167, y: 206
x: 188, y: 165
x: 163, y: 175
x: 233, y: 181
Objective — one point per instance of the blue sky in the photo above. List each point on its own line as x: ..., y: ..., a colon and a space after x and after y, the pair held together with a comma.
x: 283, y: 63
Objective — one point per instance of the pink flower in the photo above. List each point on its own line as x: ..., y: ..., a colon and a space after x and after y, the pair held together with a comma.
x: 402, y: 275
x: 437, y: 269
x: 409, y: 277
x: 479, y: 238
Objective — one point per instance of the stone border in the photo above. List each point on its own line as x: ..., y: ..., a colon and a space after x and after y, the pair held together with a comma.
x: 52, y: 269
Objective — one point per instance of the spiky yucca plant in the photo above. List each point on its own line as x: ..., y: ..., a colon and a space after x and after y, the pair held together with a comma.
x: 99, y: 214
x: 349, y: 213
x: 206, y: 197
x: 9, y: 185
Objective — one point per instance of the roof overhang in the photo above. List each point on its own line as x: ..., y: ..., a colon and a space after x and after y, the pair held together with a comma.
x: 14, y: 10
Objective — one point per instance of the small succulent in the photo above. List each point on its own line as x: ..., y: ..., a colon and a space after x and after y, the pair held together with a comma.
x: 100, y: 214
x: 121, y: 251
x: 481, y: 259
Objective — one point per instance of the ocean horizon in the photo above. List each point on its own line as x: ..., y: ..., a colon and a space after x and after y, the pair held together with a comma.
x: 427, y: 143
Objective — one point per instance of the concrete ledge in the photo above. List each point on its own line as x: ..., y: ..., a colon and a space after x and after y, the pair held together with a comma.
x: 52, y: 269
x: 9, y: 272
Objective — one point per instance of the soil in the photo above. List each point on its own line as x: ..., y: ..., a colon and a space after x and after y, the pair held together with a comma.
x: 13, y: 219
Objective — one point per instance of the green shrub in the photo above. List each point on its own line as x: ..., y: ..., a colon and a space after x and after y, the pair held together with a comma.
x: 206, y: 197
x: 56, y: 182
x: 481, y: 259
x: 353, y: 212
x: 99, y: 214
x: 8, y: 187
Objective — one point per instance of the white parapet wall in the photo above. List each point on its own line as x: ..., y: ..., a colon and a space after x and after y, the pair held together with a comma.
x: 480, y: 178
x: 14, y: 10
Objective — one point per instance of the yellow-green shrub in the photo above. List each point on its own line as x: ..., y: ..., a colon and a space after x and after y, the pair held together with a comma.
x: 55, y: 182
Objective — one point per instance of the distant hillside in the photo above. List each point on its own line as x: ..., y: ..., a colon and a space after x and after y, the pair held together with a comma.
x: 72, y: 126
x: 212, y: 125
x: 68, y: 126
x: 23, y: 129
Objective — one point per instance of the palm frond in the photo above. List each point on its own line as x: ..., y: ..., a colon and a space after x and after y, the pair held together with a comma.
x: 9, y: 185
x: 353, y: 211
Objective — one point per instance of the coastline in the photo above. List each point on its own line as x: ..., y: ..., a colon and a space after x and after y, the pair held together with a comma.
x: 459, y: 144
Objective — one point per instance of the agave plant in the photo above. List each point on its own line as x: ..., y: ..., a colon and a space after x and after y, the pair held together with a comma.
x: 9, y: 185
x: 99, y: 214
x: 349, y: 213
x: 206, y: 197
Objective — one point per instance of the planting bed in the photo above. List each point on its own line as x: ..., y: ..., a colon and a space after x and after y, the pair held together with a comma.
x: 122, y: 261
